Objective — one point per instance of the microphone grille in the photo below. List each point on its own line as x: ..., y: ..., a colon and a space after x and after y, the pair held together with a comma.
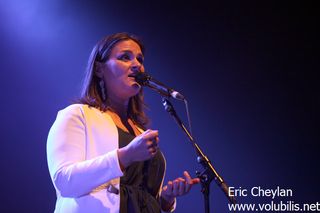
x: 142, y: 78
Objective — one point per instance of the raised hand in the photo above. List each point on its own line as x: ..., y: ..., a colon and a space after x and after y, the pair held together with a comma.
x: 178, y: 187
x: 141, y: 148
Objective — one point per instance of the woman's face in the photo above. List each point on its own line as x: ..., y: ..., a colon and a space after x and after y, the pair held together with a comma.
x: 125, y: 58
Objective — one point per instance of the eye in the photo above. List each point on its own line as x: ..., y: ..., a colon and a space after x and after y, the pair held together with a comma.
x: 124, y: 57
x: 140, y: 59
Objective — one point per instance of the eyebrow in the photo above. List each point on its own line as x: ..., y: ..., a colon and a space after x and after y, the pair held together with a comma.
x: 129, y: 51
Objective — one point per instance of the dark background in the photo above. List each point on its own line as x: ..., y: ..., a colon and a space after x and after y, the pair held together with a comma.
x: 249, y: 71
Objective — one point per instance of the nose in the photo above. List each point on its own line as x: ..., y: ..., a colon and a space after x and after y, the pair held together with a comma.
x: 136, y: 66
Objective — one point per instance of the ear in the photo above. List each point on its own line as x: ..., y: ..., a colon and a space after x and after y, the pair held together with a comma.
x: 98, y: 69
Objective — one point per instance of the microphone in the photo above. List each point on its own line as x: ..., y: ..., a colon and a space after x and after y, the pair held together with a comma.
x: 145, y: 79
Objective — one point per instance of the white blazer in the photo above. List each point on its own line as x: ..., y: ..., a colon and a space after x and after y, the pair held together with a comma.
x: 82, y: 159
x: 83, y: 162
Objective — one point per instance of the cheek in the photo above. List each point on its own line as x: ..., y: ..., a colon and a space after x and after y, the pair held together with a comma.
x: 115, y: 76
x: 116, y: 69
x: 142, y: 68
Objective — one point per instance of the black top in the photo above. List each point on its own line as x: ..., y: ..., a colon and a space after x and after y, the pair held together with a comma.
x: 141, y: 182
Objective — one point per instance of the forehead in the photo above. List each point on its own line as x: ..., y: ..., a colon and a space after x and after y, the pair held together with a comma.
x: 126, y: 45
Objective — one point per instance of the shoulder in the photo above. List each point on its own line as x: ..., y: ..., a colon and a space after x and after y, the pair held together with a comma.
x: 70, y: 113
x: 84, y: 112
x: 73, y: 108
x: 78, y: 109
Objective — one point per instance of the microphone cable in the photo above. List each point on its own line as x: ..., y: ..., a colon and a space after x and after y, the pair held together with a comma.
x: 188, y: 115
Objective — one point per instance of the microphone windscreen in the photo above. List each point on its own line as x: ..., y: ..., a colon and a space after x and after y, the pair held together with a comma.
x: 141, y: 78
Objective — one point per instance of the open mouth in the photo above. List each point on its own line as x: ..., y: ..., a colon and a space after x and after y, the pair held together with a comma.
x: 132, y: 75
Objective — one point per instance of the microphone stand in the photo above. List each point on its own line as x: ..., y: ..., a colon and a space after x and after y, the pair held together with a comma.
x: 209, y: 173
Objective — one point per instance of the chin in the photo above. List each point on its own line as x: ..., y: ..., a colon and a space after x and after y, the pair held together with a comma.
x: 134, y: 89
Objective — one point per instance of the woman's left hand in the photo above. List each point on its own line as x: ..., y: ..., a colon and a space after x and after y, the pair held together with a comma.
x: 178, y: 187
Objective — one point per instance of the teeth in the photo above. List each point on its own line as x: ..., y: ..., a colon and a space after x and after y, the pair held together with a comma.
x: 131, y: 75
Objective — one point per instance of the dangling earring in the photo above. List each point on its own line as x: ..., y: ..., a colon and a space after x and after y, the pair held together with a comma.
x: 103, y: 90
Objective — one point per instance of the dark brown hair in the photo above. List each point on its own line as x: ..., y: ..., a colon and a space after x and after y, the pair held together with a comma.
x: 91, y: 92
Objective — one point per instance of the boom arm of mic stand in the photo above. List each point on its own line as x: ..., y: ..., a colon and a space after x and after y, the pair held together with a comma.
x: 209, y: 172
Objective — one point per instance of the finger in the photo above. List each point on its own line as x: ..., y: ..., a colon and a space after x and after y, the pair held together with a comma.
x: 152, y: 149
x: 165, y: 188
x: 193, y: 181
x: 152, y: 143
x: 188, y: 187
x: 175, y: 190
x: 150, y: 135
x: 182, y: 187
x: 179, y: 179
x: 188, y: 177
x: 169, y: 187
x: 155, y: 141
x: 150, y: 131
x: 145, y: 132
x: 149, y: 144
x: 190, y: 181
x: 196, y: 180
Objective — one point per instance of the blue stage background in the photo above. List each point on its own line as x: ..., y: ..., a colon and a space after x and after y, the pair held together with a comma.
x: 249, y: 72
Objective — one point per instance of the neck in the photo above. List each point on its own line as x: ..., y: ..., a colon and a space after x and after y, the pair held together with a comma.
x: 120, y: 107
